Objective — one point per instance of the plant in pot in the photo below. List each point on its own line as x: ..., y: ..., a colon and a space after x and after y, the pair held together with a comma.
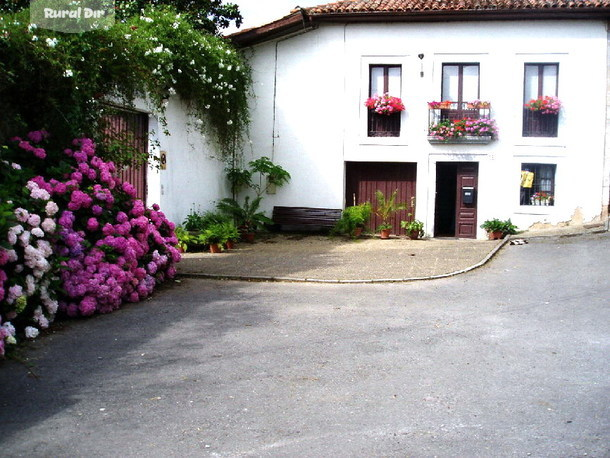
x: 214, y: 236
x: 497, y: 229
x: 353, y: 220
x: 414, y: 228
x: 231, y: 234
x: 248, y: 218
x: 385, y: 210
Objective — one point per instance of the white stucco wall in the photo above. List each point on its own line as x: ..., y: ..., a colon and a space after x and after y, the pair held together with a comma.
x: 194, y: 177
x: 308, y: 113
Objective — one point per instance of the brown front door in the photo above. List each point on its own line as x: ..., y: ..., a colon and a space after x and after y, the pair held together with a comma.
x: 466, y: 203
x: 363, y: 179
x: 455, y: 212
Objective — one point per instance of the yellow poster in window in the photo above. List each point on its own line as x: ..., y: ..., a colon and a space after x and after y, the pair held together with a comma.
x: 527, y: 179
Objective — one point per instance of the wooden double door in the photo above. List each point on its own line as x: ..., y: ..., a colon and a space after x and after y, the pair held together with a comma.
x: 455, y: 212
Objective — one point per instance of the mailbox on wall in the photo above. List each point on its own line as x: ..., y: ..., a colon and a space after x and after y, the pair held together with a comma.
x: 468, y: 195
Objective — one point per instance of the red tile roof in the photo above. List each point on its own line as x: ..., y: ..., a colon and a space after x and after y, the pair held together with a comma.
x: 377, y: 6
x: 423, y: 10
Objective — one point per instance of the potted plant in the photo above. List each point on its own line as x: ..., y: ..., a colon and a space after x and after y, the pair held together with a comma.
x: 214, y: 236
x: 385, y: 104
x: 248, y: 218
x: 494, y: 228
x: 385, y: 209
x: 353, y: 220
x: 465, y: 130
x: 231, y: 234
x: 541, y: 198
x: 498, y: 229
x: 414, y: 228
x: 544, y: 105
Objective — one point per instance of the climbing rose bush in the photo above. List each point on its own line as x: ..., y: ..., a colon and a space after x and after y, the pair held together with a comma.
x: 78, y: 244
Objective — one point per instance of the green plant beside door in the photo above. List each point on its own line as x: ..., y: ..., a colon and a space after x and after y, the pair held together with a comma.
x: 414, y: 229
x: 353, y: 220
x: 385, y: 210
x: 498, y: 229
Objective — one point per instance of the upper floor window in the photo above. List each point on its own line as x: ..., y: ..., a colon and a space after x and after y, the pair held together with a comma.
x: 538, y: 184
x: 460, y: 85
x: 540, y: 80
x: 384, y: 79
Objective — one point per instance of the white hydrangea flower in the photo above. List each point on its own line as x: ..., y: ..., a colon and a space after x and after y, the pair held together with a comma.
x: 48, y: 225
x: 51, y: 208
x: 51, y: 42
x: 31, y: 332
x: 37, y: 232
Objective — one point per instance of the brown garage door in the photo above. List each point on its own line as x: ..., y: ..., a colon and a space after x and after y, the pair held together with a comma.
x: 364, y: 178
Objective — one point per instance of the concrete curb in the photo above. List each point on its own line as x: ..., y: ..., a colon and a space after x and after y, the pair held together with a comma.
x: 253, y: 278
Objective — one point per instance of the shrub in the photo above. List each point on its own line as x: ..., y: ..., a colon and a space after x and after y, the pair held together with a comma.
x: 77, y: 240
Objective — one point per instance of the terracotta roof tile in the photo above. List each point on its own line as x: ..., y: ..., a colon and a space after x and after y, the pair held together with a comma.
x: 386, y: 6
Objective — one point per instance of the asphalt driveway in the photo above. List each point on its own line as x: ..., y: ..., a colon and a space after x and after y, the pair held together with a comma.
x: 508, y: 360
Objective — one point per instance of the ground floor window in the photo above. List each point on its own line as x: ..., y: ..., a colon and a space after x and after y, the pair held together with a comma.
x: 538, y: 184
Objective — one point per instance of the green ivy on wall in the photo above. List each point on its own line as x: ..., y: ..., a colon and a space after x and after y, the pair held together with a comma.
x: 63, y: 82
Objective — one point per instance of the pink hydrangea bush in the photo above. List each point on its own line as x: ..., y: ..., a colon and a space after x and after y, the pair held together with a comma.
x: 79, y: 244
x: 115, y: 248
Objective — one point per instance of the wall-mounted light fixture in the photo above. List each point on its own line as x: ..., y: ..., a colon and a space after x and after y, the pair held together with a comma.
x: 421, y: 71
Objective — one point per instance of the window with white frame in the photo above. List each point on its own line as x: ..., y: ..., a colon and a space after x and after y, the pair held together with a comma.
x: 384, y: 79
x: 538, y: 184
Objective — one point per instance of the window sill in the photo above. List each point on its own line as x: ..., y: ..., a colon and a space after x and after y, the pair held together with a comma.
x: 535, y: 209
x: 467, y: 140
x: 383, y: 141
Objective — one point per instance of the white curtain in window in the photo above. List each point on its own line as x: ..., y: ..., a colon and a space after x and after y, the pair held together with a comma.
x: 394, y: 81
x: 450, y: 83
x: 376, y: 81
x: 549, y: 80
x: 470, y: 89
x: 531, y: 83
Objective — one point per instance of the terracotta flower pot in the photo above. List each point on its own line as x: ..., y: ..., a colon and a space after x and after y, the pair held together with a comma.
x: 248, y: 237
x: 385, y: 233
x: 230, y: 244
x: 214, y: 248
x: 414, y: 234
x: 495, y: 235
x: 358, y: 232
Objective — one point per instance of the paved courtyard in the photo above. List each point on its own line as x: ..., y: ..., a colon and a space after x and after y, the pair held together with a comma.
x: 322, y: 258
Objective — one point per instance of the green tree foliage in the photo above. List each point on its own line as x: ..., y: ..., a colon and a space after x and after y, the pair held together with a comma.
x: 205, y: 15
x: 63, y: 82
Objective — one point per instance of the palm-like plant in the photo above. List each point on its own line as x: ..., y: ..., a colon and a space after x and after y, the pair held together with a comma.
x: 247, y: 217
x: 386, y: 208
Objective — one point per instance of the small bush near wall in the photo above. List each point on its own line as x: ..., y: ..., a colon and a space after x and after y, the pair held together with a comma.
x: 73, y: 238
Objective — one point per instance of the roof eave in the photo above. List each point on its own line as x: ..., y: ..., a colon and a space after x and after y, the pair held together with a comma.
x: 299, y: 20
x: 285, y: 26
x: 461, y: 15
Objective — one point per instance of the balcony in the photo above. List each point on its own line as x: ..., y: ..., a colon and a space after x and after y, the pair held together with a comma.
x: 460, y: 123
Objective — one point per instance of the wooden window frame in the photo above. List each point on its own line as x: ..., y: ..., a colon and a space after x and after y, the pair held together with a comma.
x: 383, y: 125
x: 527, y: 193
x: 460, y: 111
x: 537, y: 124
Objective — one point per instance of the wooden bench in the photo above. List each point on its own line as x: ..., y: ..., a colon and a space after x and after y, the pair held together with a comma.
x: 300, y: 217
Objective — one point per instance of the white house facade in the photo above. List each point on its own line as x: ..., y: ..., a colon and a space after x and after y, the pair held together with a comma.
x: 314, y: 70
